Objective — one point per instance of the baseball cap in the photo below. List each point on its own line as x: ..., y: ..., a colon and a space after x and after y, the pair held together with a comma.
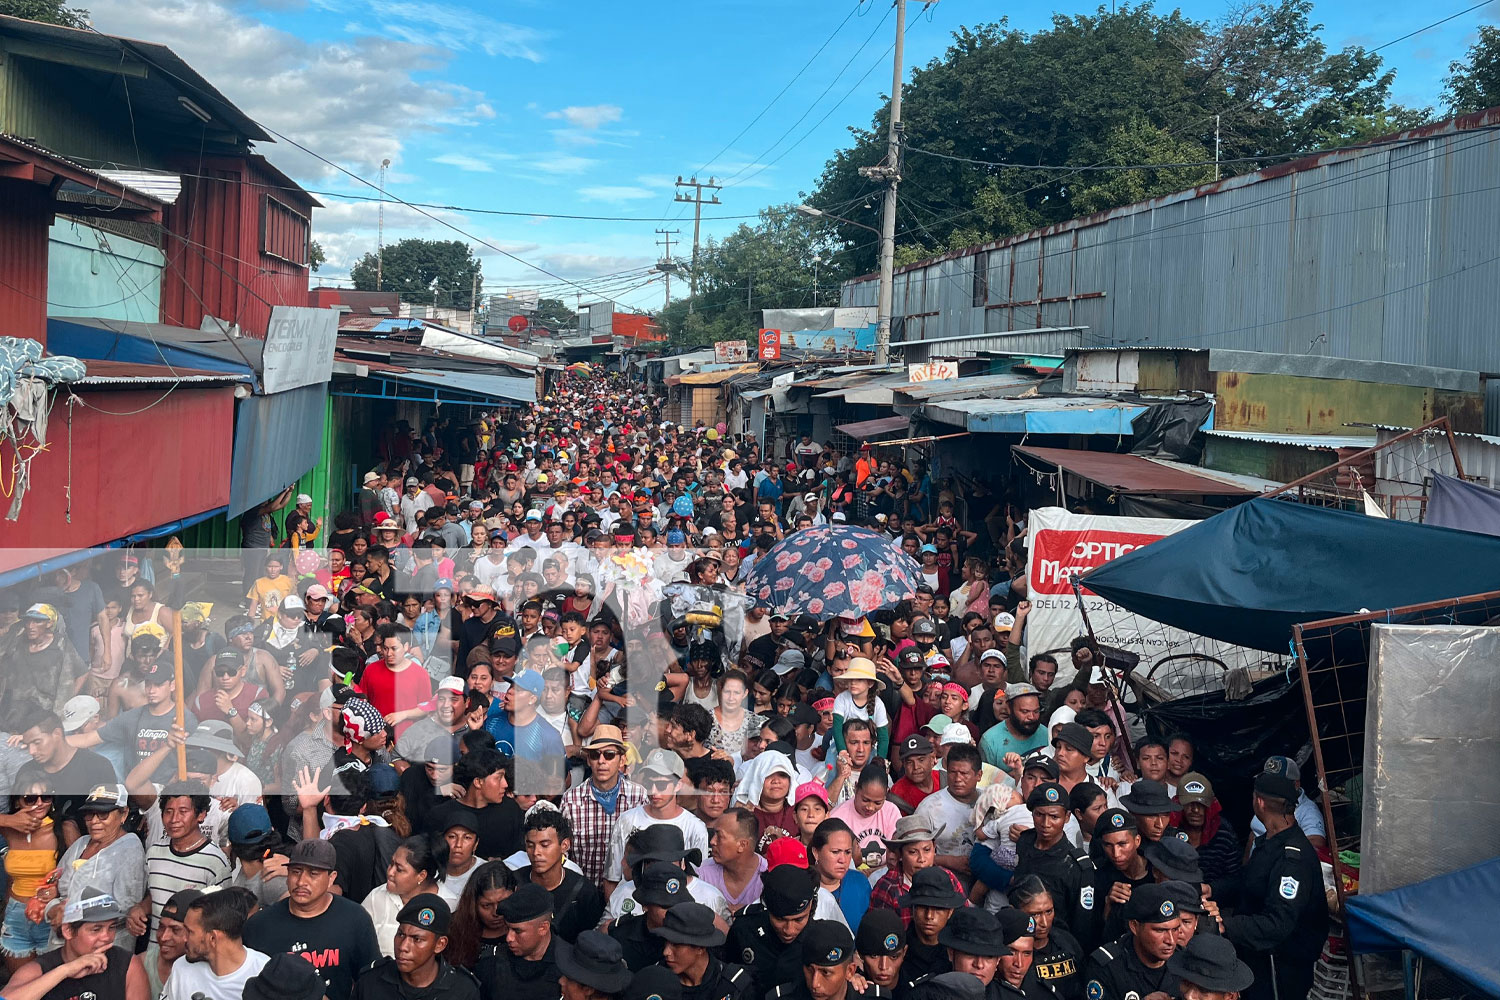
x: 663, y: 763
x: 106, y: 798
x: 249, y: 824
x: 303, y: 498
x: 93, y: 906
x: 313, y: 853
x: 78, y: 711
x: 317, y: 592
x: 454, y: 684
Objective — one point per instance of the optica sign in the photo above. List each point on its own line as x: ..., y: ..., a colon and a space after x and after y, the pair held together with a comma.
x: 1057, y: 554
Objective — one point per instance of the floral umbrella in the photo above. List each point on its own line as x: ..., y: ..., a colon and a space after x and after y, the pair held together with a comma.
x: 839, y: 570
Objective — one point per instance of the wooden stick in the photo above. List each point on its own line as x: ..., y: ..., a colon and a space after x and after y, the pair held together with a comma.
x: 181, y: 707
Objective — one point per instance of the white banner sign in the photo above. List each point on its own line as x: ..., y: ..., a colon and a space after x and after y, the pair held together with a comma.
x: 932, y: 371
x: 1060, y: 544
x: 730, y: 351
x: 299, y: 348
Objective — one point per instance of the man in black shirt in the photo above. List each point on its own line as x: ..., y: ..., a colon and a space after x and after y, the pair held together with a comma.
x: 527, y: 967
x: 418, y: 968
x: 70, y: 773
x: 1066, y: 870
x: 333, y: 933
x: 576, y: 901
x: 689, y: 933
x: 1136, y: 965
x: 485, y: 778
x: 483, y: 621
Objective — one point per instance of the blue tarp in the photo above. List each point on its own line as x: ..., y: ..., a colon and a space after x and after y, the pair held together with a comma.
x: 149, y: 344
x: 1246, y: 576
x: 1453, y: 503
x: 276, y: 439
x: 1449, y: 919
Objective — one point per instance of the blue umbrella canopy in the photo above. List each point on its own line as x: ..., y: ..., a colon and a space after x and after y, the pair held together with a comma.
x: 839, y: 570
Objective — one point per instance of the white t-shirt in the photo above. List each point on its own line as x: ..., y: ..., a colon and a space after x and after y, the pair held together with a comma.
x: 191, y: 978
x: 694, y: 834
x: 941, y: 809
x: 558, y: 722
x: 843, y: 704
x: 452, y: 886
x: 623, y: 902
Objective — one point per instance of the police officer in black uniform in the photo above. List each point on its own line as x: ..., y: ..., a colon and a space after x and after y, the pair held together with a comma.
x: 595, y: 961
x: 826, y: 952
x: 881, y: 944
x: 659, y: 886
x: 1281, y: 921
x: 1057, y: 957
x: 974, y: 944
x: 1135, y: 966
x: 421, y: 937
x: 1210, y: 966
x: 1044, y: 851
x: 948, y: 986
x: 764, y: 936
x: 532, y: 974
x: 933, y: 894
x: 689, y: 932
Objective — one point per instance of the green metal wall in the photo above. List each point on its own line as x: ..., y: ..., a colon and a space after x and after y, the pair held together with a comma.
x: 63, y: 109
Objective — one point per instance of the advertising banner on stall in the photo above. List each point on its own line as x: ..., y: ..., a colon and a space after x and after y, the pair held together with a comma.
x: 1061, y: 544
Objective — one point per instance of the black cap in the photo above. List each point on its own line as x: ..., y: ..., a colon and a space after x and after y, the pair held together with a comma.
x: 1014, y: 924
x: 910, y: 659
x: 805, y: 623
x: 881, y: 932
x: 596, y: 960
x: 916, y: 745
x: 176, y: 907
x: 505, y: 645
x: 1041, y: 762
x: 947, y: 986
x: 1188, y: 897
x: 827, y: 942
x: 802, y: 714
x: 973, y: 931
x: 654, y: 982
x: 661, y: 883
x: 1209, y: 962
x: 1275, y: 786
x: 1148, y: 798
x: 428, y: 911
x: 787, y: 889
x: 529, y: 902
x: 313, y: 853
x: 1175, y: 858
x: 934, y: 887
x: 924, y: 627
x: 454, y: 815
x: 1075, y: 735
x: 659, y: 842
x: 1048, y: 793
x: 1150, y: 904
x: 692, y: 923
x: 1115, y: 821
x: 286, y: 977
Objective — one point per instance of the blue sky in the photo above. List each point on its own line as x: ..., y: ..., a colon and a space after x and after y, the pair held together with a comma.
x: 591, y: 108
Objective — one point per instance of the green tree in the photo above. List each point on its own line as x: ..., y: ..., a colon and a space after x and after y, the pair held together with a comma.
x: 315, y: 255
x: 1107, y: 88
x: 425, y: 272
x: 769, y: 265
x: 48, y: 11
x: 1473, y: 83
x: 555, y: 314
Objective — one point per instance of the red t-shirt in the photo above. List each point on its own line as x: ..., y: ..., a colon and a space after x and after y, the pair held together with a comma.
x: 396, y: 691
x: 206, y: 710
x: 910, y: 793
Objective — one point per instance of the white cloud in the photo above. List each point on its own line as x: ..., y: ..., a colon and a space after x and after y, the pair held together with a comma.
x: 465, y: 162
x: 589, y: 117
x: 560, y: 163
x: 614, y: 193
x: 355, y: 100
x: 457, y: 28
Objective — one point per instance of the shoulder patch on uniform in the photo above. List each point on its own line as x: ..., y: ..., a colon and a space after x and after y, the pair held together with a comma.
x: 1086, y: 897
x: 734, y: 976
x: 1103, y: 954
x: 1288, y: 888
x: 1095, y: 990
x: 1293, y: 849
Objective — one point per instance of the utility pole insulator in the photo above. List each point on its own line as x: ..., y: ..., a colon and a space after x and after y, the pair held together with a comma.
x: 697, y: 200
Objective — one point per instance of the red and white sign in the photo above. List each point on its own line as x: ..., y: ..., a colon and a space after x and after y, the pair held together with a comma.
x: 731, y: 351
x: 931, y: 371
x: 770, y: 345
x: 517, y: 324
x: 1060, y: 544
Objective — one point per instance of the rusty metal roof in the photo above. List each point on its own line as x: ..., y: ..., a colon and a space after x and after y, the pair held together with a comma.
x: 127, y: 373
x: 1130, y: 473
x: 864, y: 429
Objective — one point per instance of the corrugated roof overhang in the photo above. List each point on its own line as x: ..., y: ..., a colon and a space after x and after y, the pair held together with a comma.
x: 863, y: 430
x: 1129, y: 473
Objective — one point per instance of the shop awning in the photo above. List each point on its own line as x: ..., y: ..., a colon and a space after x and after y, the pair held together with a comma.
x: 153, y: 344
x: 500, y: 388
x: 1130, y: 473
x: 863, y: 430
x: 1037, y: 415
x: 276, y: 439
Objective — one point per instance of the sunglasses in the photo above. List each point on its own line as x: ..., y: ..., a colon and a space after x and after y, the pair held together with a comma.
x: 602, y: 754
x: 226, y: 671
x: 660, y: 784
x: 32, y: 800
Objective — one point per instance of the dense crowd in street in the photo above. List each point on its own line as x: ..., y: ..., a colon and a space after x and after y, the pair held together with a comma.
x: 576, y: 701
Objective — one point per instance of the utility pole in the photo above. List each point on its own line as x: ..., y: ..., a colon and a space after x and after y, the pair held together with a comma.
x: 665, y: 265
x: 889, y: 171
x: 380, y: 232
x: 696, y: 200
x: 1216, y: 147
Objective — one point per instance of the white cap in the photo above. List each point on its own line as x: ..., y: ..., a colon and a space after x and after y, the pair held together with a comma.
x: 303, y: 498
x: 1005, y: 620
x: 78, y: 711
x: 454, y: 684
x: 992, y: 654
x: 956, y: 734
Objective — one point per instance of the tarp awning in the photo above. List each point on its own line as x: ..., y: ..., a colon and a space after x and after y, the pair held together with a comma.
x: 153, y: 344
x: 1130, y: 473
x: 1037, y: 415
x: 276, y: 439
x: 711, y: 378
x: 1249, y: 574
x: 493, y: 388
x: 863, y: 430
x: 1403, y: 918
x: 1454, y: 503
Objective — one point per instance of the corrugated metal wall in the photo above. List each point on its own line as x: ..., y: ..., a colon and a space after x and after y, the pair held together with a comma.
x: 1387, y: 255
x: 25, y: 214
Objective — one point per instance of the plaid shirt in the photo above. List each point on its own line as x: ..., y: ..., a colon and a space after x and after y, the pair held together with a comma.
x: 592, y: 826
x: 893, y: 890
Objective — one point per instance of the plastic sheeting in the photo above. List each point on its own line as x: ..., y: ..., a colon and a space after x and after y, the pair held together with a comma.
x: 1172, y: 430
x: 1450, y: 920
x: 1432, y: 787
x: 1251, y: 573
x: 276, y: 439
x: 1454, y: 503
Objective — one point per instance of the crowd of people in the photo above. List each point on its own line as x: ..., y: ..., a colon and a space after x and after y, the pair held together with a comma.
x: 521, y: 724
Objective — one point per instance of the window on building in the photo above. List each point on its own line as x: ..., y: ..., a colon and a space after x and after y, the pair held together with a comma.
x: 981, y: 278
x: 283, y: 232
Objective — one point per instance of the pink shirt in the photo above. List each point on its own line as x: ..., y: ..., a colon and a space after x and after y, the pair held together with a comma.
x: 870, y: 832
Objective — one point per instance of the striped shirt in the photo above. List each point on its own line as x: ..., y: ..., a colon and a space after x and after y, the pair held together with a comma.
x: 169, y: 872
